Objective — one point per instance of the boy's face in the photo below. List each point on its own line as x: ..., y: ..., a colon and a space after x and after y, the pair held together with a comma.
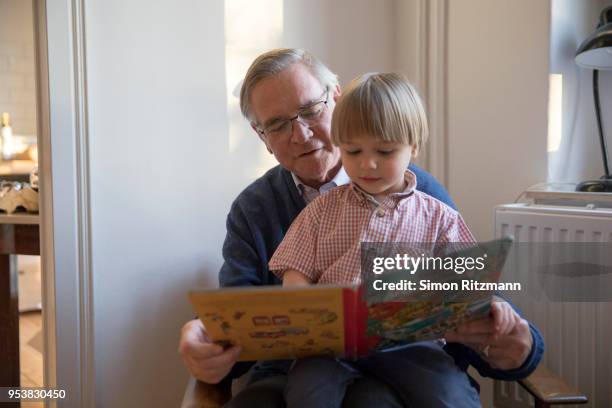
x: 376, y: 166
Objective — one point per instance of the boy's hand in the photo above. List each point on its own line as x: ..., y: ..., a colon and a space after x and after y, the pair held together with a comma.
x: 206, y: 361
x: 503, y: 338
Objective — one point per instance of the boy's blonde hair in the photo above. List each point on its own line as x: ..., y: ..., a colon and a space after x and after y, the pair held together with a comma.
x: 382, y: 105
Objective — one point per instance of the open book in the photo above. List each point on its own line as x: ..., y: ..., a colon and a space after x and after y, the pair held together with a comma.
x: 272, y: 322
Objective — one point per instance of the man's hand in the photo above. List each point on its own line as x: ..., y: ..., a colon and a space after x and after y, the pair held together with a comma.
x: 503, y: 339
x: 206, y: 361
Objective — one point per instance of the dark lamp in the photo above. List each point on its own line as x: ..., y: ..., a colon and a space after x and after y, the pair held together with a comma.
x: 595, y: 53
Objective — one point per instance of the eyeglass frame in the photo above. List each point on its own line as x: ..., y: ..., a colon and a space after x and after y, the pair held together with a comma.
x: 298, y: 115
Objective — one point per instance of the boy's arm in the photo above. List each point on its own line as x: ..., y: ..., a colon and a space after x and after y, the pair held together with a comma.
x: 453, y: 228
x: 298, y: 250
x: 291, y: 277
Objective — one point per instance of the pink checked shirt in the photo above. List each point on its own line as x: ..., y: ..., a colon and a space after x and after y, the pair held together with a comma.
x: 323, y: 242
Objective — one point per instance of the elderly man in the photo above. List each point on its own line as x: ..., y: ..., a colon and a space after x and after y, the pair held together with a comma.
x: 288, y: 96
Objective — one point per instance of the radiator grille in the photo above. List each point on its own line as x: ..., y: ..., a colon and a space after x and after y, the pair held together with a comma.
x: 578, y: 336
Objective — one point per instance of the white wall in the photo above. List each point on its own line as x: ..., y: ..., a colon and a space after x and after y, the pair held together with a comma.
x: 162, y: 171
x: 158, y: 145
x: 351, y: 36
x: 497, y: 103
x: 579, y: 154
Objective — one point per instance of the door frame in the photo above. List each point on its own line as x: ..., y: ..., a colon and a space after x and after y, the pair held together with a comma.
x: 67, y: 292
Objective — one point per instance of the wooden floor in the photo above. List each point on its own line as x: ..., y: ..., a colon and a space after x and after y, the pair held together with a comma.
x: 31, y: 360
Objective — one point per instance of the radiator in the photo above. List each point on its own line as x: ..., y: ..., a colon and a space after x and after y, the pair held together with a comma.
x: 578, y: 335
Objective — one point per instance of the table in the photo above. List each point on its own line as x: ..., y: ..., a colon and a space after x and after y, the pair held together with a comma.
x: 19, y: 235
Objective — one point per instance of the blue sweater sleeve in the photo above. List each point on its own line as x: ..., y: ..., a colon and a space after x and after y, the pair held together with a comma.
x: 242, y: 264
x: 256, y: 224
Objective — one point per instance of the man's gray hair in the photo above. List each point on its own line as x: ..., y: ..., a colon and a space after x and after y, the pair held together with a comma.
x: 276, y: 61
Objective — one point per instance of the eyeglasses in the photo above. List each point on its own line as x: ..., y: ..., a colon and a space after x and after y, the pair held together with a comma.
x: 308, y: 116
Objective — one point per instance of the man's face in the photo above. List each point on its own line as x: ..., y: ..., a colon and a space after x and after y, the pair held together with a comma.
x: 307, y: 151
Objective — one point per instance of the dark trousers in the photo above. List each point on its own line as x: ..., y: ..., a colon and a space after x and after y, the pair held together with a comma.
x: 419, y: 375
x: 268, y: 392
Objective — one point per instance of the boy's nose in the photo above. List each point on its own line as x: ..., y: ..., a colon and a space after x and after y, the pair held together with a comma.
x: 368, y: 163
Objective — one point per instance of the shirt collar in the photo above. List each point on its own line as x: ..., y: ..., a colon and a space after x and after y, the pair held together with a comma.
x: 340, y: 179
x: 411, y: 184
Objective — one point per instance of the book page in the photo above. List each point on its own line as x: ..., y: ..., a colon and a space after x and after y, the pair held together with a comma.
x: 430, y: 302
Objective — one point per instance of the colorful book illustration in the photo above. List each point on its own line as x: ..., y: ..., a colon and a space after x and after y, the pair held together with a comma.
x: 272, y: 322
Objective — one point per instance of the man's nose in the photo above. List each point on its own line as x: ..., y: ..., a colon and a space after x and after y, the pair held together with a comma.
x: 300, y: 132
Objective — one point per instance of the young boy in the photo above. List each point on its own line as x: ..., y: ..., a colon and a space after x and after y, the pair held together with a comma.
x: 379, y: 123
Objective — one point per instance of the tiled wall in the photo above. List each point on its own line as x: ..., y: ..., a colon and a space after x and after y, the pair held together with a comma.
x: 17, y: 84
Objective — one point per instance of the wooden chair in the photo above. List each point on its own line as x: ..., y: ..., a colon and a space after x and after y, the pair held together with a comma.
x: 546, y: 387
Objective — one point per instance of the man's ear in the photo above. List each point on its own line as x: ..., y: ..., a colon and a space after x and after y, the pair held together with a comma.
x: 415, y: 152
x: 267, y: 146
x: 254, y: 128
x: 337, y: 92
x: 261, y: 138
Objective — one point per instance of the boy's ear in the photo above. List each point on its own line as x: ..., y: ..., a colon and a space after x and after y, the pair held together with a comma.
x: 415, y: 152
x: 261, y: 137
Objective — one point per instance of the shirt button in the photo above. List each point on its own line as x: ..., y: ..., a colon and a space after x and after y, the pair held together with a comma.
x: 380, y: 212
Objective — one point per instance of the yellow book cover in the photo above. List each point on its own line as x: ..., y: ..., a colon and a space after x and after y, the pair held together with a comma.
x: 272, y: 322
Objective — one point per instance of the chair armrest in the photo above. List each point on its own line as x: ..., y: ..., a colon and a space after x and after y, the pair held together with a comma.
x: 549, y: 389
x: 201, y: 395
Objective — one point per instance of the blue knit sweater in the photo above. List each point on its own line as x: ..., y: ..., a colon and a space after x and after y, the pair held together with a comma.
x: 258, y: 220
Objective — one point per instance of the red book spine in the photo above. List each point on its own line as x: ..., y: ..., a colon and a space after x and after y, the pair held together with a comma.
x: 355, y: 317
x: 349, y: 299
x: 361, y: 318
